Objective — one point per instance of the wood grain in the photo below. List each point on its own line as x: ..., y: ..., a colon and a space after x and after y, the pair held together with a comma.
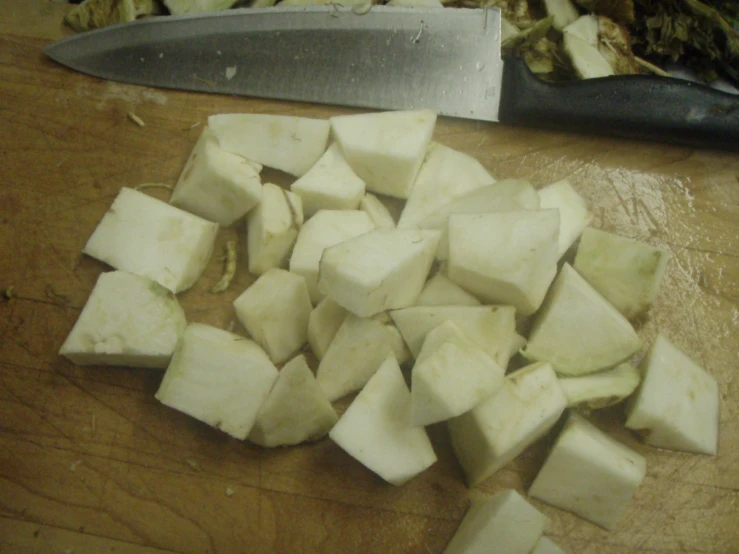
x: 90, y: 462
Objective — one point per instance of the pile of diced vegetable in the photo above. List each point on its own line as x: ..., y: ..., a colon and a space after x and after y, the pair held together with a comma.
x: 440, y: 299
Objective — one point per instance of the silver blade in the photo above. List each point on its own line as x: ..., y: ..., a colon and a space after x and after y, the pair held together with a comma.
x: 389, y: 58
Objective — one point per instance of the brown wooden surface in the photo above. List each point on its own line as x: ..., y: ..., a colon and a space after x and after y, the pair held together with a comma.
x: 91, y: 463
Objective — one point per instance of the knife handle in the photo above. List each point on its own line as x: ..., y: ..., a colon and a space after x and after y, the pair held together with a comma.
x: 631, y: 106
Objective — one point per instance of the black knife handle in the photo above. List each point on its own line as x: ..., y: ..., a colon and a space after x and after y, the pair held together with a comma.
x: 631, y: 106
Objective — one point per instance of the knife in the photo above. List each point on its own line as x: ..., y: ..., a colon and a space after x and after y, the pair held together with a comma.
x: 394, y: 58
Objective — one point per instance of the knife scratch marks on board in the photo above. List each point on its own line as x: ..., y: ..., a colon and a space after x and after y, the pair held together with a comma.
x: 126, y: 93
x: 479, y: 145
x: 621, y: 200
x: 649, y: 215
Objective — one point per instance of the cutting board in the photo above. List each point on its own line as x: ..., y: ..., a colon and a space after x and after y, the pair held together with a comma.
x: 90, y: 462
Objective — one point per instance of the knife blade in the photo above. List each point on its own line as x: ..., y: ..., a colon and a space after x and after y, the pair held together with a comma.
x: 393, y: 58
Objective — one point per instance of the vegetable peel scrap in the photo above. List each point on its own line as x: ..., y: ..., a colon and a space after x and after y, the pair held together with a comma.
x: 229, y: 268
x: 143, y: 186
x: 136, y: 119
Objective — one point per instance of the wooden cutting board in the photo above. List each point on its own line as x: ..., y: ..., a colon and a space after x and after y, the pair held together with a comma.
x: 91, y: 463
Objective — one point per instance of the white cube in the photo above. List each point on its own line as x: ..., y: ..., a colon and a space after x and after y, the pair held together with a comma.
x: 677, y: 404
x: 602, y: 388
x: 128, y: 320
x: 628, y: 273
x: 500, y: 428
x: 296, y: 409
x: 505, y: 257
x: 577, y: 330
x: 323, y: 323
x: 384, y: 269
x: 272, y: 228
x: 590, y: 474
x: 445, y: 175
x: 504, y: 196
x: 440, y: 291
x: 215, y: 184
x: 376, y: 428
x: 291, y: 144
x: 574, y: 215
x: 502, y: 524
x: 358, y: 348
x: 377, y: 211
x: 451, y: 376
x: 275, y: 312
x: 385, y: 149
x: 326, y: 228
x: 492, y: 328
x: 148, y: 237
x: 219, y: 378
x: 329, y: 185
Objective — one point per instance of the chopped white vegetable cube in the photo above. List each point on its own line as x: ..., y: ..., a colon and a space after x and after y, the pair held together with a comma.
x: 445, y: 175
x: 503, y: 196
x: 505, y: 257
x: 378, y: 212
x: 376, y: 428
x: 626, y: 272
x: 602, y: 389
x: 329, y: 185
x: 562, y: 12
x: 677, y: 404
x: 451, y: 376
x: 587, y: 60
x: 517, y: 343
x: 128, y: 320
x: 219, y: 378
x: 385, y: 149
x: 586, y: 28
x: 503, y: 523
x: 400, y: 348
x: 215, y: 184
x: 501, y: 427
x: 580, y: 40
x: 148, y: 237
x: 381, y: 270
x: 507, y: 30
x: 490, y: 327
x: 359, y: 347
x: 323, y: 323
x: 272, y: 228
x: 291, y: 144
x: 590, y: 474
x: 546, y: 546
x: 440, y: 291
x: 326, y: 228
x: 275, y: 312
x: 296, y: 409
x: 574, y: 215
x: 577, y: 330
